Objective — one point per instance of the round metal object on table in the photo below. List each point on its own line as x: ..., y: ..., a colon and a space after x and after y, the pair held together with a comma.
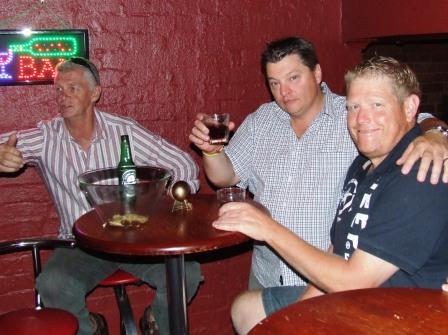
x: 180, y: 190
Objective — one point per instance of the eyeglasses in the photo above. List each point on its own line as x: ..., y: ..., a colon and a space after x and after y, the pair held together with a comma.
x: 88, y: 65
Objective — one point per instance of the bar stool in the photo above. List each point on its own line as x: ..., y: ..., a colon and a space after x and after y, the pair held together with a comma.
x: 118, y: 280
x: 38, y: 320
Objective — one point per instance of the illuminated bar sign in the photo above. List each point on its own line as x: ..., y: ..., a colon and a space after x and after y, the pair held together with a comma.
x: 29, y: 57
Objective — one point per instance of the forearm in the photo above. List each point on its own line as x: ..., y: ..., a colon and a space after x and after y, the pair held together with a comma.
x: 219, y: 170
x: 325, y: 270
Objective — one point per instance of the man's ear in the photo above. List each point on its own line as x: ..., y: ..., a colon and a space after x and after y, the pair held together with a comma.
x: 96, y: 93
x: 318, y: 73
x: 411, y: 104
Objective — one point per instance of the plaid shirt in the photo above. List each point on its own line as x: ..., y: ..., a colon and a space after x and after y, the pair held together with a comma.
x: 298, y: 179
x: 61, y: 159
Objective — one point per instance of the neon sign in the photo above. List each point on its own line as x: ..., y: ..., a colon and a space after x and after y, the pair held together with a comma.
x: 31, y: 58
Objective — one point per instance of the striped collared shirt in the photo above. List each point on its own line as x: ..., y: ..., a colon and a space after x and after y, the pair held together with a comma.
x: 61, y: 159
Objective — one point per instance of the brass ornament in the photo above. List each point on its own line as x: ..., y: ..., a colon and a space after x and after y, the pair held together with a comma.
x: 180, y: 192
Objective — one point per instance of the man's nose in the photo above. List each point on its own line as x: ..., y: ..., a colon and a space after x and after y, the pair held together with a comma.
x: 284, y: 90
x: 364, y: 115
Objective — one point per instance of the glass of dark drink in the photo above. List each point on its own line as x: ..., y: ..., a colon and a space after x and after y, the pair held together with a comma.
x: 218, y: 126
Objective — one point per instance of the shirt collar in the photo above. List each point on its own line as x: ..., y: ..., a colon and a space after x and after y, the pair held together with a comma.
x: 100, y: 128
x: 328, y: 107
x: 397, y: 151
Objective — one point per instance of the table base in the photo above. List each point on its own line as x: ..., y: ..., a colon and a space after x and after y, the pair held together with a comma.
x: 177, y: 297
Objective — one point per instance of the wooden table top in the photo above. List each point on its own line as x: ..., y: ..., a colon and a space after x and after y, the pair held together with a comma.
x: 166, y: 233
x: 378, y: 311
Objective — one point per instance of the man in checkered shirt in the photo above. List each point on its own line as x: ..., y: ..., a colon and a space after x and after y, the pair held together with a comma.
x: 293, y: 154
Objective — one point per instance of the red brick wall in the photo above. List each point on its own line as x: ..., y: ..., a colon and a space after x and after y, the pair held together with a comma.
x: 161, y: 62
x: 380, y: 18
x: 421, y: 40
x: 428, y: 57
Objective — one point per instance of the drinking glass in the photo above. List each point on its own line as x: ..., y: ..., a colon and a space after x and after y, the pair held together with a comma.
x: 218, y: 126
x: 229, y: 194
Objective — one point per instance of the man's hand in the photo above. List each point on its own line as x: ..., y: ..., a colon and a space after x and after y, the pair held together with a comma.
x: 199, y: 135
x: 10, y: 158
x: 246, y: 219
x: 431, y: 148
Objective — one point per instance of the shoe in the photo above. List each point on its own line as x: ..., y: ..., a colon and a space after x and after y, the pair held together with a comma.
x: 148, y: 325
x: 99, y: 324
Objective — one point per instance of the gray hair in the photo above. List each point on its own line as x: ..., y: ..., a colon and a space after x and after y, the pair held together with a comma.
x: 89, y: 69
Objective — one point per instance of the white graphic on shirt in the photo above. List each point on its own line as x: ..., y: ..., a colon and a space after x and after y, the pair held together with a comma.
x: 360, y: 218
x: 351, y: 244
x: 347, y: 198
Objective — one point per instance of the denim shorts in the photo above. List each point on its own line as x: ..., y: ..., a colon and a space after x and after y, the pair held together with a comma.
x: 275, y: 298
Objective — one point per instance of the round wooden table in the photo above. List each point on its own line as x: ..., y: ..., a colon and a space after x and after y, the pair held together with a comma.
x: 172, y: 234
x: 377, y: 311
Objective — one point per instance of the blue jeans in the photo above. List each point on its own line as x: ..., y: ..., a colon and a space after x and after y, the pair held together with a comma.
x: 275, y: 298
x: 70, y: 274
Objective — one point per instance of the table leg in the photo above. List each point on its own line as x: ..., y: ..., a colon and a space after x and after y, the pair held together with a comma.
x: 177, y: 296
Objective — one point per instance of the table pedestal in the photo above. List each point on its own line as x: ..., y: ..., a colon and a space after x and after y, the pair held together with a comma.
x: 177, y: 296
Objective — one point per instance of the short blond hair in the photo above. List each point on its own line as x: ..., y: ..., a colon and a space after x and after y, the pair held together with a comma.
x: 404, y: 80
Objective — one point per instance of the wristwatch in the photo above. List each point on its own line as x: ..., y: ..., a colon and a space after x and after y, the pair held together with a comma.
x: 440, y: 129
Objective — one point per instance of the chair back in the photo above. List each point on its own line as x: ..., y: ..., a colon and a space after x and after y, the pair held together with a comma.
x: 35, y: 246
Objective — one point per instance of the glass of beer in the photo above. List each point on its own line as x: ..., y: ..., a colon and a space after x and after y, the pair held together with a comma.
x: 218, y: 126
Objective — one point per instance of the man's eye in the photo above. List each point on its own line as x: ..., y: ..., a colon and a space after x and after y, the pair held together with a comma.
x: 352, y: 108
x: 295, y: 77
x: 377, y: 105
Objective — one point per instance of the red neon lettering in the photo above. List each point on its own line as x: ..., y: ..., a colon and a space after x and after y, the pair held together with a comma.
x: 30, y: 68
x: 47, y: 69
x: 27, y: 68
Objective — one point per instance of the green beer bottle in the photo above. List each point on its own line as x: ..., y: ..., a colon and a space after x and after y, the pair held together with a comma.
x: 127, y: 174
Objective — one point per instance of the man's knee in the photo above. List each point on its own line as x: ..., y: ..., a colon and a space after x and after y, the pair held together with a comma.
x: 246, y: 311
x: 59, y: 288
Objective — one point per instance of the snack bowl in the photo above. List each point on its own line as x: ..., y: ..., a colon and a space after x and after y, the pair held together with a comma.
x: 124, y: 205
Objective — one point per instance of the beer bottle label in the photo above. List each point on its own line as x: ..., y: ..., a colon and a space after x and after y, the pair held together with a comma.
x: 129, y: 177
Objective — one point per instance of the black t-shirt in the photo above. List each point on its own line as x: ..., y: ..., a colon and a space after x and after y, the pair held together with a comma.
x: 396, y: 218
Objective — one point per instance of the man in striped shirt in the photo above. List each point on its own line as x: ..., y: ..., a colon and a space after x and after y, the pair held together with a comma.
x: 83, y: 138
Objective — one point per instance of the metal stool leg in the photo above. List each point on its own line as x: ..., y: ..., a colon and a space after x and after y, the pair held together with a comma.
x: 127, y: 323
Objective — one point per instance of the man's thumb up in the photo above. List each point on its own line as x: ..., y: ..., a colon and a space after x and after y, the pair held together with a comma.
x: 12, y: 140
